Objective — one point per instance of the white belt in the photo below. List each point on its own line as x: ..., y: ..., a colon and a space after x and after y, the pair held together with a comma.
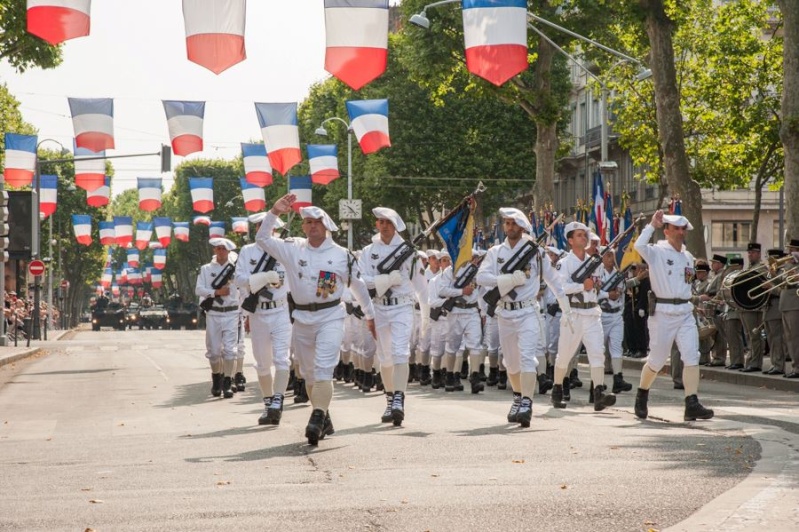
x: 517, y: 305
x: 394, y: 301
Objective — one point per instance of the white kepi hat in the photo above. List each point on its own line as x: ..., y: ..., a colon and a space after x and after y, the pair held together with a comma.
x: 517, y: 216
x: 319, y: 214
x: 574, y: 226
x: 384, y: 213
x: 677, y: 221
x: 219, y: 241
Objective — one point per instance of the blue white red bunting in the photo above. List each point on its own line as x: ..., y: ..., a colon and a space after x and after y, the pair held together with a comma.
x: 20, y: 162
x: 56, y: 21
x: 215, y: 32
x: 107, y: 233
x: 302, y: 187
x: 82, y: 225
x: 184, y: 120
x: 278, y: 122
x: 144, y: 232
x: 369, y: 120
x: 257, y: 170
x: 357, y: 40
x: 495, y: 38
x: 323, y: 160
x: 202, y: 193
x: 48, y: 198
x: 93, y: 120
x: 123, y: 230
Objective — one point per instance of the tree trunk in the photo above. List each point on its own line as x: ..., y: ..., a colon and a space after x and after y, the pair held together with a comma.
x: 760, y: 181
x: 546, y: 141
x: 669, y: 118
x: 789, y: 132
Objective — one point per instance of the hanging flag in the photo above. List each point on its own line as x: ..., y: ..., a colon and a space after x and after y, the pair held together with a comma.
x: 156, y: 279
x: 93, y: 120
x: 163, y: 230
x: 202, y: 193
x: 626, y: 253
x: 107, y: 233
x: 369, y: 121
x: 123, y: 230
x: 20, y: 163
x: 457, y: 232
x: 254, y: 197
x: 240, y: 225
x: 201, y: 220
x: 216, y: 229
x: 48, y: 187
x: 56, y: 21
x: 108, y: 276
x: 323, y: 160
x: 215, y: 32
x: 82, y: 225
x: 133, y: 257
x: 134, y: 276
x: 302, y: 187
x: 144, y: 232
x: 181, y: 231
x: 115, y: 289
x: 147, y: 272
x: 257, y: 169
x: 185, y: 123
x: 100, y: 196
x: 149, y: 193
x: 89, y: 174
x: 610, y: 230
x: 598, y: 212
x: 159, y: 258
x: 278, y: 123
x: 495, y: 38
x: 154, y: 244
x: 357, y: 40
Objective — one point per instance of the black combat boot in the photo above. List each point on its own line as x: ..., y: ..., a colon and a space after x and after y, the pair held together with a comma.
x: 398, y: 408
x: 574, y: 379
x: 297, y: 385
x: 387, y: 417
x: 557, y: 396
x: 502, y: 383
x: 358, y: 378
x: 315, y: 427
x: 227, y: 387
x: 265, y: 416
x: 449, y: 385
x: 424, y: 375
x: 327, y: 428
x: 464, y: 374
x: 477, y: 384
x: 458, y: 383
x: 493, y: 377
x: 301, y: 396
x: 438, y: 379
x: 368, y: 381
x: 239, y: 380
x: 413, y: 373
x: 602, y: 400
x: 544, y: 384
x: 379, y: 386
x: 338, y: 372
x: 567, y: 394
x: 694, y: 409
x: 292, y: 380
x: 275, y: 410
x: 525, y: 414
x: 216, y: 384
x: 620, y: 385
x: 591, y: 393
x: 641, y: 399
x: 482, y: 372
x: 349, y: 371
x: 513, y: 413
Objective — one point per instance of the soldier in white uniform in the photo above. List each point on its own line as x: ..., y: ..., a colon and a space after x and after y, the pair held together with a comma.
x: 425, y: 375
x: 270, y: 327
x: 612, y: 304
x: 552, y: 319
x: 671, y: 272
x: 317, y: 269
x: 396, y: 293
x: 222, y: 320
x: 517, y: 310
x: 439, y: 321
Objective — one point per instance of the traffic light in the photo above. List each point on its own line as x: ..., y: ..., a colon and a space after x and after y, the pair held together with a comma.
x: 4, y: 229
x: 166, y: 158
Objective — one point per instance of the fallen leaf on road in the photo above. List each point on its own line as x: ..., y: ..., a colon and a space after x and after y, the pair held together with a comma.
x: 614, y: 448
x: 434, y: 476
x: 121, y: 425
x: 86, y: 489
x: 96, y: 501
x: 563, y: 486
x: 89, y: 530
x: 649, y: 523
x: 518, y: 461
x: 404, y: 501
x: 350, y: 467
x: 223, y: 483
x: 49, y: 439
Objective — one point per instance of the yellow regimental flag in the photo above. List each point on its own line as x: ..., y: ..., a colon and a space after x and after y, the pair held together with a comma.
x: 631, y: 256
x: 465, y: 245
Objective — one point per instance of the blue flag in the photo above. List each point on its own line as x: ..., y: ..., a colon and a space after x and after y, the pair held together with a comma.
x: 457, y: 232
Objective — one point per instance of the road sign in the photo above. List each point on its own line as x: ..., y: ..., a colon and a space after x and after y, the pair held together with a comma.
x: 64, y: 284
x: 36, y: 268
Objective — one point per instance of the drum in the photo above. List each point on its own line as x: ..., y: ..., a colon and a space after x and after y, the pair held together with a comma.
x: 736, y: 286
x: 706, y: 328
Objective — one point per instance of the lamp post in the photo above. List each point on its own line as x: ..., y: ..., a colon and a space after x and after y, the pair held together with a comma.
x: 321, y: 131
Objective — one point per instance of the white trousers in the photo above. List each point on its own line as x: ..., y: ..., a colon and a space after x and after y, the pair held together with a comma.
x: 666, y: 329
x: 222, y: 335
x: 393, y: 325
x: 416, y: 330
x: 367, y: 347
x: 464, y: 330
x: 613, y: 328
x: 240, y: 349
x: 438, y: 336
x: 491, y: 335
x: 350, y: 340
x: 553, y: 334
x: 519, y: 333
x: 316, y: 348
x: 588, y: 330
x: 270, y: 333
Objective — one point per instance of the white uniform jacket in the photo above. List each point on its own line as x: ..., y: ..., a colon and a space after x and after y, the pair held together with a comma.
x: 250, y: 258
x: 412, y: 281
x: 671, y: 272
x: 203, y: 288
x: 575, y: 291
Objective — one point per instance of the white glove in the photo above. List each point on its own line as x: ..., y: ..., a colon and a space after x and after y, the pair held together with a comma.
x: 395, y: 277
x: 519, y: 278
x: 382, y: 284
x: 505, y: 283
x: 259, y: 280
x: 567, y: 315
x: 641, y: 312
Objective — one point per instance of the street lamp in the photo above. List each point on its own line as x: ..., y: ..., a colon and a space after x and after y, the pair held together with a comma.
x: 322, y: 132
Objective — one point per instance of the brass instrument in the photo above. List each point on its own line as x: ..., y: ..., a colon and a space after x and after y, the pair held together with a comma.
x: 790, y: 276
x: 771, y: 266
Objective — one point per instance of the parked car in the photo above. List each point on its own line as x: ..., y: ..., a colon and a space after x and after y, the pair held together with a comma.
x: 154, y: 317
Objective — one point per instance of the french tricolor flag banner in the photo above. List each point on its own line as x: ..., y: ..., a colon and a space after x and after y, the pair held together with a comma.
x: 323, y: 159
x: 201, y: 219
x: 20, y: 163
x: 123, y: 230
x: 163, y: 229
x: 107, y: 233
x: 155, y: 244
x: 133, y: 257
x: 108, y: 276
x: 149, y: 193
x: 257, y: 169
x: 240, y: 225
x: 144, y: 232
x: 254, y: 196
x: 89, y: 174
x: 134, y: 276
x: 147, y: 272
x: 159, y: 258
x: 202, y: 193
x: 369, y: 120
x: 181, y: 231
x: 302, y: 187
x: 156, y: 278
x: 215, y: 32
x: 82, y: 225
x: 495, y: 38
x: 185, y: 123
x: 357, y: 40
x: 278, y: 123
x: 48, y: 198
x: 100, y: 196
x: 122, y: 278
x: 599, y: 204
x: 93, y: 120
x: 56, y: 21
x: 216, y: 229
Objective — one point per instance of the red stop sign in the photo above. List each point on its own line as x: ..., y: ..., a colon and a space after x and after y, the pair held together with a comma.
x: 36, y: 267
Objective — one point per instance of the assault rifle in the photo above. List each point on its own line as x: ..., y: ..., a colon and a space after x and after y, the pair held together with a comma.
x: 219, y: 281
x: 463, y: 280
x: 394, y: 262
x: 250, y: 303
x: 590, y: 265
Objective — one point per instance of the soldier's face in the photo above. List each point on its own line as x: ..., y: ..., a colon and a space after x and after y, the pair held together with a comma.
x: 579, y: 239
x: 221, y: 253
x: 608, y: 260
x: 433, y: 261
x: 513, y: 231
x: 385, y: 228
x: 313, y: 228
x: 701, y: 275
x: 675, y: 233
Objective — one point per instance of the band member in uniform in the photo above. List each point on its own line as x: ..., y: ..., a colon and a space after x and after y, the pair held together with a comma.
x: 222, y: 318
x: 752, y: 320
x: 714, y: 308
x: 733, y: 328
x: 789, y: 306
x: 773, y: 325
x: 671, y: 272
x: 317, y: 269
x: 517, y: 309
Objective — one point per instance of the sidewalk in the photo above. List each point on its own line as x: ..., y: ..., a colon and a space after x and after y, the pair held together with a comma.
x: 9, y: 353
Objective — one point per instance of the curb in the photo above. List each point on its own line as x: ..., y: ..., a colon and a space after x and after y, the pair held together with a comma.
x: 9, y: 359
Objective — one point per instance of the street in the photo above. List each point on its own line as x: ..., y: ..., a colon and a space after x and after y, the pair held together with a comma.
x: 117, y: 430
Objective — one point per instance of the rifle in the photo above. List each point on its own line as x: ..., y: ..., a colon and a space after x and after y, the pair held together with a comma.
x: 614, y: 280
x: 394, y: 262
x: 354, y: 310
x: 463, y: 280
x: 590, y: 265
x: 221, y: 280
x: 250, y: 303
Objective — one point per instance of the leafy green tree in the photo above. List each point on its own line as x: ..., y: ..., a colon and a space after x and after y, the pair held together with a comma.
x: 21, y: 49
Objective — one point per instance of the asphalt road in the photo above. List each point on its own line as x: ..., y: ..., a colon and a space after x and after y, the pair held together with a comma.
x: 118, y: 431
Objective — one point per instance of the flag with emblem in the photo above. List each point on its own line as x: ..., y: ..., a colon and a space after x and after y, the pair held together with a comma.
x: 93, y: 120
x: 215, y: 32
x: 185, y: 123
x: 123, y: 230
x: 253, y: 195
x: 20, y: 162
x: 134, y: 276
x: 457, y: 232
x: 144, y: 232
x: 302, y: 187
x: 495, y: 38
x: 278, y: 122
x: 240, y: 225
x: 159, y: 258
x: 163, y: 229
x: 626, y: 253
x: 56, y: 21
x: 215, y: 229
x: 369, y: 121
x: 202, y: 193
x: 133, y: 257
x: 257, y: 170
x: 107, y: 233
x: 100, y: 196
x: 82, y: 225
x: 48, y: 198
x: 357, y: 40
x: 149, y: 193
x: 323, y: 160
x: 181, y: 231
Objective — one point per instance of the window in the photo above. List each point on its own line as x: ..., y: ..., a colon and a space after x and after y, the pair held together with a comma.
x: 730, y: 235
x: 775, y: 235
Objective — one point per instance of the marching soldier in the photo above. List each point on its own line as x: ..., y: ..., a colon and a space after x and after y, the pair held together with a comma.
x: 773, y: 325
x: 712, y: 300
x: 439, y: 321
x: 752, y: 320
x: 789, y: 306
x: 612, y: 303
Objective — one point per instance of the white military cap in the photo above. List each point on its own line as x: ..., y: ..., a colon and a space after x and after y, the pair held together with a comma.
x: 574, y: 226
x: 677, y: 221
x: 319, y: 214
x: 517, y: 216
x: 219, y: 241
x: 556, y: 251
x: 593, y: 236
x: 257, y: 217
x: 443, y: 253
x: 384, y: 213
x: 421, y: 254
